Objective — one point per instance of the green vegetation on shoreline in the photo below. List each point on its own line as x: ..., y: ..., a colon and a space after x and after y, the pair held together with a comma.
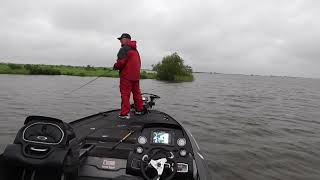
x: 41, y: 69
x: 172, y: 69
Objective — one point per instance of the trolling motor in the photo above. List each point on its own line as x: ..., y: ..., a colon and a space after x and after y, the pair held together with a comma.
x: 148, y: 101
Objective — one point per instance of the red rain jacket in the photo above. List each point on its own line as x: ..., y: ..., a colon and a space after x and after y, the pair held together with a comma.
x: 129, y: 62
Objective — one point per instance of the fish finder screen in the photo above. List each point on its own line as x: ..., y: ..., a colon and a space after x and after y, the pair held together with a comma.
x: 160, y: 137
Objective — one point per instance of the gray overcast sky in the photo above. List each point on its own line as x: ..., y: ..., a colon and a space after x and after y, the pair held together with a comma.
x: 278, y: 37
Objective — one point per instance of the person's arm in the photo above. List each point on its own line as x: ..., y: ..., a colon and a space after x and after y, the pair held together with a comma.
x: 122, y: 58
x: 119, y: 65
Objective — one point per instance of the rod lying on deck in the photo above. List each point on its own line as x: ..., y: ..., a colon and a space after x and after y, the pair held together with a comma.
x: 123, y: 139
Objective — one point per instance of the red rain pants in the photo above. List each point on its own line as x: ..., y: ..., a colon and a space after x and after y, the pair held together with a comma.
x: 126, y: 87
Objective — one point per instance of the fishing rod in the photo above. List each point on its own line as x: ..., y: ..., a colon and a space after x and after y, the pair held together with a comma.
x: 123, y: 139
x: 85, y: 84
x: 131, y: 131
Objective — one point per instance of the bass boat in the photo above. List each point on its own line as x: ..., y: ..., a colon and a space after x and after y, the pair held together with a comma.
x: 151, y: 146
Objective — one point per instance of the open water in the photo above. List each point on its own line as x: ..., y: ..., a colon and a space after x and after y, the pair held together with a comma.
x: 249, y: 127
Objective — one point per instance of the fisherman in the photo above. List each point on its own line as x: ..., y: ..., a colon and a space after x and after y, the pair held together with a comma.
x: 129, y: 64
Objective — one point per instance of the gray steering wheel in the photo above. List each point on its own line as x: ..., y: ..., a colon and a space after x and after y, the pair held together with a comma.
x: 159, y: 159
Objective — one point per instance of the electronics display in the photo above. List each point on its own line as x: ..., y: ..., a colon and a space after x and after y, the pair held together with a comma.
x: 160, y: 137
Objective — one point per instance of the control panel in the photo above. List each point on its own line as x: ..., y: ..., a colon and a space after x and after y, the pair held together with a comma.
x: 171, y: 144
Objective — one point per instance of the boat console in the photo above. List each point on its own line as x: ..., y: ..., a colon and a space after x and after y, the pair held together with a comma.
x: 142, y: 146
x: 161, y: 151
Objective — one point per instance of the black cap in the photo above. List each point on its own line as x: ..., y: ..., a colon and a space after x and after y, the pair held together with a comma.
x: 124, y: 35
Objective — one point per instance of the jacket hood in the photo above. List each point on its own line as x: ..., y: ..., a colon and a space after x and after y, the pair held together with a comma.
x: 132, y: 44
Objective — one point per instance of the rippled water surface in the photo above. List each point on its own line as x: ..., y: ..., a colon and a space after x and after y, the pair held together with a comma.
x: 250, y: 127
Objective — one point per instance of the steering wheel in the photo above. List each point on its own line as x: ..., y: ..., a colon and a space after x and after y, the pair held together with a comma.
x: 158, y: 159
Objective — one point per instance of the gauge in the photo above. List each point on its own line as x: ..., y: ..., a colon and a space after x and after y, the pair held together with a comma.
x: 139, y: 150
x: 181, y: 142
x: 183, y: 152
x: 142, y: 140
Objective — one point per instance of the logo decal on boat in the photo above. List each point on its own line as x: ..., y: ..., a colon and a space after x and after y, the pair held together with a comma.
x: 108, y: 164
x: 42, y: 138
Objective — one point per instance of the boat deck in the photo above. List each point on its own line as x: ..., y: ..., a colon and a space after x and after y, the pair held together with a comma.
x: 105, y: 129
x: 106, y: 125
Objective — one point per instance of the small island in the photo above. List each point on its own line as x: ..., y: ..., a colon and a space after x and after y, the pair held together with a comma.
x: 172, y: 69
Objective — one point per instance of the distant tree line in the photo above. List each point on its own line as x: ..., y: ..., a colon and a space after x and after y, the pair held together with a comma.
x: 15, y: 66
x: 43, y: 70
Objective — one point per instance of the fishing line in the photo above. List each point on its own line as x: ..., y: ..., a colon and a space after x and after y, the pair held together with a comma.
x: 85, y: 84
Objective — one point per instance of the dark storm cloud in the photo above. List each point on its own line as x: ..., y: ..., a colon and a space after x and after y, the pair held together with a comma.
x: 231, y: 36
